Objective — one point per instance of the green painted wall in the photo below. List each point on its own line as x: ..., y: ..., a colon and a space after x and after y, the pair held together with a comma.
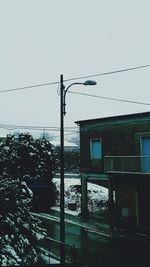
x: 119, y: 138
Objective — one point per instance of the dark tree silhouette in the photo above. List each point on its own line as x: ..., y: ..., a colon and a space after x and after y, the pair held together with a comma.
x: 20, y: 232
x: 30, y: 160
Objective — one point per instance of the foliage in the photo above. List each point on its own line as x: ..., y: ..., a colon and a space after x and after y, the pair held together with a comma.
x: 97, y: 195
x: 71, y: 160
x: 31, y: 161
x: 19, y: 231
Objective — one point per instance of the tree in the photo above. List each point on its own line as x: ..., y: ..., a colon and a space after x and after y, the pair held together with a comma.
x: 30, y: 160
x: 71, y: 160
x: 19, y: 231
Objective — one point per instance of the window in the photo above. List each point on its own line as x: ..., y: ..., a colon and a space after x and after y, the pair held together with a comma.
x: 125, y: 212
x: 96, y: 149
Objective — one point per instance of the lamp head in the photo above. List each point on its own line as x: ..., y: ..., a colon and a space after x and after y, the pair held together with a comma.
x: 90, y: 82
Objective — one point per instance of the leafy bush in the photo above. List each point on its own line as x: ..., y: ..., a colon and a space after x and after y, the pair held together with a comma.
x: 19, y: 231
x: 30, y: 160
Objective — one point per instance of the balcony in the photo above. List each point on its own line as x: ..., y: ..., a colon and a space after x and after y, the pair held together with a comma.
x: 127, y: 164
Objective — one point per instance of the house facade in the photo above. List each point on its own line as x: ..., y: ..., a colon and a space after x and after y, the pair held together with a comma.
x: 115, y: 152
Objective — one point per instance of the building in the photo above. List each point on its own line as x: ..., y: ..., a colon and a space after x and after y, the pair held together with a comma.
x: 115, y: 152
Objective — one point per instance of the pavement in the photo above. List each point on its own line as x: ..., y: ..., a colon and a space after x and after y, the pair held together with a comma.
x: 91, y: 225
x: 115, y: 247
x: 99, y: 226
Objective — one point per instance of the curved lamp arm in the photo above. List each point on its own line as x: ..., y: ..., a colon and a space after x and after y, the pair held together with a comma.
x: 88, y: 82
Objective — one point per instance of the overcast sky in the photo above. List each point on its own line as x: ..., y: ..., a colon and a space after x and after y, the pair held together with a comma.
x: 41, y: 39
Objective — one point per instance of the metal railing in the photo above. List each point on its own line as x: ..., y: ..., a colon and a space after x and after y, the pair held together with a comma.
x: 127, y: 164
x: 79, y: 257
x: 51, y: 249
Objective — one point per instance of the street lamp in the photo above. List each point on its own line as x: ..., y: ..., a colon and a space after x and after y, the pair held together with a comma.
x: 63, y: 92
x: 88, y: 82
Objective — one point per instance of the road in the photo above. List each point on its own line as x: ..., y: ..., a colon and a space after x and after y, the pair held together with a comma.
x: 98, y: 249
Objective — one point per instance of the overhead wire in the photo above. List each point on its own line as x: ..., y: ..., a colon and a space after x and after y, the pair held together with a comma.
x: 73, y: 79
x: 48, y: 128
x: 28, y: 87
x: 109, y: 73
x: 11, y: 127
x: 70, y: 132
x: 58, y: 89
x: 111, y: 98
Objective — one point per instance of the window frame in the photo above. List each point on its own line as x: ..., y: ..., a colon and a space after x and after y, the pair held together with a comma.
x: 100, y: 142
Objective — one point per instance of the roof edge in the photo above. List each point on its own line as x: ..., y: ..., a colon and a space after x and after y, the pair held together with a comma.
x: 112, y: 118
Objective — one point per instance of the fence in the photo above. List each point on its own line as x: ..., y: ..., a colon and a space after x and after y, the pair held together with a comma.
x: 127, y: 164
x: 50, y: 248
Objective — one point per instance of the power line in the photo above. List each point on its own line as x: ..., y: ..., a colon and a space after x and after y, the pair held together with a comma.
x: 111, y: 98
x: 28, y: 87
x: 49, y: 128
x: 7, y: 127
x: 34, y: 127
x: 75, y: 78
x: 109, y: 73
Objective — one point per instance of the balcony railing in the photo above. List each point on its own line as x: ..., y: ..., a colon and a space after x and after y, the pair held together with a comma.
x: 127, y: 164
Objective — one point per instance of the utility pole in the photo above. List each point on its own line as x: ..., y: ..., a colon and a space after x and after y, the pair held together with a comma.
x: 62, y: 214
x: 63, y: 92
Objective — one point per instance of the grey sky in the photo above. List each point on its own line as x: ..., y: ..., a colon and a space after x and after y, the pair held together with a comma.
x: 40, y: 39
